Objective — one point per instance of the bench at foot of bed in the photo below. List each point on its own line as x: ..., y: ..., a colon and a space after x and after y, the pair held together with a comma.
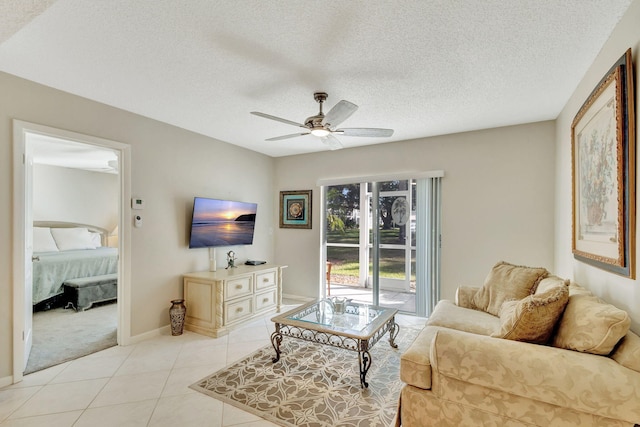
x: 83, y: 292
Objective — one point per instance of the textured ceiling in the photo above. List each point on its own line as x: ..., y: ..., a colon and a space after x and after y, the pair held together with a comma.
x: 420, y: 67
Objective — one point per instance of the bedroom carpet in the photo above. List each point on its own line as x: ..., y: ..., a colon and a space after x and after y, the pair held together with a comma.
x: 61, y: 335
x: 313, y: 385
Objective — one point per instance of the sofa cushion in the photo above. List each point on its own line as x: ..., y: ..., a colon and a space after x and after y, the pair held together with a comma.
x: 590, y: 325
x: 448, y: 315
x: 533, y: 318
x: 507, y: 282
x: 628, y: 352
x: 550, y: 282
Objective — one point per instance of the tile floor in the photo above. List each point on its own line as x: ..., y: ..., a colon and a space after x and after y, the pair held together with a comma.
x: 145, y: 384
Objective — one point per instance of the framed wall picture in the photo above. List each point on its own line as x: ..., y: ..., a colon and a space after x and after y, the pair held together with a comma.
x: 603, y: 173
x: 295, y: 209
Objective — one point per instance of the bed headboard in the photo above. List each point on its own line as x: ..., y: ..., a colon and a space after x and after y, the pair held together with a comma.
x: 104, y: 233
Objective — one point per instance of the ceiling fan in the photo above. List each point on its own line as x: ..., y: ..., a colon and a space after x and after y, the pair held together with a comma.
x: 325, y: 126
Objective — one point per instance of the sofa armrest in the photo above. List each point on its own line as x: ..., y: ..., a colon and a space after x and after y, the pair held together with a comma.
x: 583, y: 382
x: 464, y: 296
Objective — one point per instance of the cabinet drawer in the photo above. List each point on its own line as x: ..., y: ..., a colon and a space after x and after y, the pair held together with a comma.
x: 265, y: 280
x: 238, y: 310
x: 265, y: 300
x: 238, y: 287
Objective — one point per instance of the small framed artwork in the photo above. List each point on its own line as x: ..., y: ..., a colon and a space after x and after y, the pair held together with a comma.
x: 603, y: 173
x: 295, y: 209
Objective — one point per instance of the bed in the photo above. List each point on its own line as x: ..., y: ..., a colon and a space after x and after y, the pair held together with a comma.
x: 64, y: 251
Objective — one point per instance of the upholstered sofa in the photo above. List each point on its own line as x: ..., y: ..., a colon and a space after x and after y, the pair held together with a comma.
x: 525, y: 349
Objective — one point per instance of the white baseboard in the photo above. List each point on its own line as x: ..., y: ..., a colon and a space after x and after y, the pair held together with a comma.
x: 5, y: 381
x: 147, y: 335
x: 297, y: 297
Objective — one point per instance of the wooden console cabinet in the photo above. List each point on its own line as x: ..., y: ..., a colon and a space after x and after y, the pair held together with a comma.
x: 219, y: 300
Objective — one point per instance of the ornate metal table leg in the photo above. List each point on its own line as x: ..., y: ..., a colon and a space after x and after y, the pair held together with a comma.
x: 393, y: 333
x: 365, y: 362
x: 276, y: 339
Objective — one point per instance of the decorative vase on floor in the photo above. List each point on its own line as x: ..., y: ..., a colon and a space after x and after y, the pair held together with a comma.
x: 176, y: 314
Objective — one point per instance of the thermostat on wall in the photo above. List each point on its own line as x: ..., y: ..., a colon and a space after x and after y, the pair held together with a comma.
x: 137, y: 203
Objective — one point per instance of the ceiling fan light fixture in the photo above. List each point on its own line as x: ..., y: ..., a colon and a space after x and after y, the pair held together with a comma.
x: 325, y: 126
x: 321, y: 132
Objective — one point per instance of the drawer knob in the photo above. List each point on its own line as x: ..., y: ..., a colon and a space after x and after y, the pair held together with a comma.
x: 239, y: 310
x: 265, y: 300
x: 238, y: 287
x: 265, y: 280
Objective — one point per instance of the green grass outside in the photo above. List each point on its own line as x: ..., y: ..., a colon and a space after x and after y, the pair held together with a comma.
x: 346, y: 260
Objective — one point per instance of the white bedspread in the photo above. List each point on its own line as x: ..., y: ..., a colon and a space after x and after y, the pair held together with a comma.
x: 53, y: 268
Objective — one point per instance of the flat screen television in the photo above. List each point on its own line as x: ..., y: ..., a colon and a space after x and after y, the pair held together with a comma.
x: 217, y: 223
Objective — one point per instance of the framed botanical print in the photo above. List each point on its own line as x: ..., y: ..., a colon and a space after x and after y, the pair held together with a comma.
x: 603, y: 173
x: 295, y: 209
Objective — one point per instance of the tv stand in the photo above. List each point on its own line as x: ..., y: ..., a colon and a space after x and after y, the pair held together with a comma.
x: 218, y: 301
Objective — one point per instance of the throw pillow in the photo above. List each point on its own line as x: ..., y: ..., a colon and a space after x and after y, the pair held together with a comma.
x: 550, y: 282
x: 507, y: 282
x: 533, y: 318
x: 590, y: 325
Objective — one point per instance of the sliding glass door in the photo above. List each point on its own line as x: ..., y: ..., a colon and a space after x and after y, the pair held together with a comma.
x: 375, y: 245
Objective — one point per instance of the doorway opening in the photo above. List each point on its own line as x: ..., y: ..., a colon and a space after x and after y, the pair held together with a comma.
x: 69, y: 192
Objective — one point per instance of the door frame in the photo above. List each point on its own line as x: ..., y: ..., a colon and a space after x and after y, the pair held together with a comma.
x: 20, y: 131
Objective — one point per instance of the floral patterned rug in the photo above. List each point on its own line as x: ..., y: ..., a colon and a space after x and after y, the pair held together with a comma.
x: 314, y: 384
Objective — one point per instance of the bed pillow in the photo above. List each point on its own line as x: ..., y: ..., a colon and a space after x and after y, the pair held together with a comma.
x: 507, y: 282
x: 68, y: 239
x: 533, y: 318
x: 96, y: 239
x: 43, y: 240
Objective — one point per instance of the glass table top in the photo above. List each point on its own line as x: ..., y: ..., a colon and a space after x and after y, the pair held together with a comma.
x: 339, y: 315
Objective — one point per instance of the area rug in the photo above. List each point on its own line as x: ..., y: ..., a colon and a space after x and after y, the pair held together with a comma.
x: 313, y: 384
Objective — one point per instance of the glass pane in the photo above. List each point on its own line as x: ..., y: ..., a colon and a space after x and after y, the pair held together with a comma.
x: 343, y: 213
x: 345, y: 264
x: 344, y: 279
x: 392, y: 264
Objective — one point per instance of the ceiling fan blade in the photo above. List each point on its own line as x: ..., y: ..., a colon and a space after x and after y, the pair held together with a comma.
x: 339, y: 113
x: 333, y: 142
x: 365, y: 132
x: 293, y: 135
x: 278, y: 119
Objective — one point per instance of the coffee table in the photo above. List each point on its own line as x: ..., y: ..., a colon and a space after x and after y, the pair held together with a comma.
x: 355, y: 327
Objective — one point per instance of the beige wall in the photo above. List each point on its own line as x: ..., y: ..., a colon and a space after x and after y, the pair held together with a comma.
x: 497, y: 199
x: 169, y: 167
x: 624, y: 293
x: 74, y: 195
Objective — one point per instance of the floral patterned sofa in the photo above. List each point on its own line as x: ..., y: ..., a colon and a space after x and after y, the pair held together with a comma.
x: 525, y: 349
